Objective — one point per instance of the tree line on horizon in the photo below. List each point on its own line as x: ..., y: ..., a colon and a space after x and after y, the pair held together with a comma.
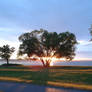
x: 44, y: 45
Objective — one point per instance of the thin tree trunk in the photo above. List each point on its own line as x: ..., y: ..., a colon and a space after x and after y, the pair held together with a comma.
x: 47, y: 64
x: 7, y: 61
x: 42, y: 62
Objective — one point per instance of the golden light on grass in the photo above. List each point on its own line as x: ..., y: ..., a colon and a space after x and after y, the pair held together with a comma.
x: 57, y: 84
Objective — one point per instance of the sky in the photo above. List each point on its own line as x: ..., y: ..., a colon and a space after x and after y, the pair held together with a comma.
x: 20, y: 16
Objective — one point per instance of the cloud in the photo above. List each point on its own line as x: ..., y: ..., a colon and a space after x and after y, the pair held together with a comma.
x: 4, y: 42
x: 84, y: 48
x: 84, y: 42
x: 5, y: 29
x: 83, y: 55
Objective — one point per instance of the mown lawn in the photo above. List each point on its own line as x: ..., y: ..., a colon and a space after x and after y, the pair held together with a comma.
x: 62, y: 74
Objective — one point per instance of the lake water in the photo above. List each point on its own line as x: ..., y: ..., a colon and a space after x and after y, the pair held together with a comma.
x: 72, y: 63
x: 75, y: 63
x: 23, y: 87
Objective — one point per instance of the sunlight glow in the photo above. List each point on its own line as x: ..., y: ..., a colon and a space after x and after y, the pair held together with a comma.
x: 52, y: 59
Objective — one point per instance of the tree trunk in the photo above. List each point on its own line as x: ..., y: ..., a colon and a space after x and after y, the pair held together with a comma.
x: 47, y: 64
x: 43, y: 62
x: 7, y: 61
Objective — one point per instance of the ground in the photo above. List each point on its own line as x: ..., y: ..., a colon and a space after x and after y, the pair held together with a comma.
x: 65, y: 76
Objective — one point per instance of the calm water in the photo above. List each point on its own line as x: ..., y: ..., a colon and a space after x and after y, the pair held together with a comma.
x: 74, y: 63
x: 22, y: 87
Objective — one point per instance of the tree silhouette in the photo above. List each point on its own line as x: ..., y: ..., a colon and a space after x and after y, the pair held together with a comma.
x: 45, y: 45
x: 5, y: 52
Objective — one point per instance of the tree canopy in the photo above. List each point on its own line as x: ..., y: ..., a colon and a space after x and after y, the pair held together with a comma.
x: 5, y: 52
x: 44, y: 45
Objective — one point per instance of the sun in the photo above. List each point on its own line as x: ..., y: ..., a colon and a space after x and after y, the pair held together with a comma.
x: 51, y: 59
x: 52, y: 63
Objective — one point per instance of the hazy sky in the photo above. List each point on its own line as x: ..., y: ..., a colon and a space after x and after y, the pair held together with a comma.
x: 19, y: 16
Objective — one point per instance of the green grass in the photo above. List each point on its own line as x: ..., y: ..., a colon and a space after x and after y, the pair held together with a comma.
x: 63, y: 74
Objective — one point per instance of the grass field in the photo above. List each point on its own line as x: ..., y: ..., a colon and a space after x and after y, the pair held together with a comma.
x: 65, y: 76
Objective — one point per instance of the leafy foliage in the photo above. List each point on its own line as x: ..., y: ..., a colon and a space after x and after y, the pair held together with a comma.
x: 46, y: 45
x: 5, y: 52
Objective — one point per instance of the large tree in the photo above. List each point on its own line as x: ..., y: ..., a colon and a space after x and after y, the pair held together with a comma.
x: 45, y: 46
x: 6, y: 52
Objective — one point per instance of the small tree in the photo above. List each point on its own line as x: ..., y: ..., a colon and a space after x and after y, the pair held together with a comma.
x: 5, y: 52
x: 45, y: 45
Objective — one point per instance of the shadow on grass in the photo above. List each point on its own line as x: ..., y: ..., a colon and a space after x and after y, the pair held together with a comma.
x: 40, y: 77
